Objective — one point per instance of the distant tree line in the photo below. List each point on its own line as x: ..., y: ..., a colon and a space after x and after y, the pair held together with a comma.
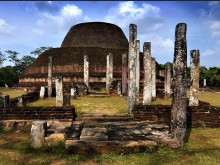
x: 10, y: 74
x: 211, y: 74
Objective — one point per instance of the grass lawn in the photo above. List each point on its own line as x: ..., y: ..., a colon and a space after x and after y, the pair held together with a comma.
x: 202, y: 148
x: 12, y: 92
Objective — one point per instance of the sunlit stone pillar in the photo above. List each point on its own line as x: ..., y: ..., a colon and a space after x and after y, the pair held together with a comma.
x: 132, y: 67
x: 86, y: 70
x: 42, y: 92
x: 167, y: 83
x: 204, y: 82
x: 109, y: 70
x: 194, y: 82
x: 59, y: 91
x: 50, y: 72
x: 137, y: 71
x: 153, y: 77
x: 147, y: 92
x: 178, y: 108
x: 38, y: 133
x: 124, y: 73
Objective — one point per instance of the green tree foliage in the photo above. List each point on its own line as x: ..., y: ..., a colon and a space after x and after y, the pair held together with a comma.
x: 8, y: 76
x: 40, y: 50
x: 2, y: 58
x: 12, y: 56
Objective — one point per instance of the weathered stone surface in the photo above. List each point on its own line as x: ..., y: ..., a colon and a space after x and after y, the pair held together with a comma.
x: 167, y: 83
x: 137, y: 71
x: 73, y: 93
x: 119, y: 88
x: 132, y: 57
x: 86, y: 70
x: 194, y: 83
x: 66, y: 99
x: 178, y: 110
x: 4, y: 100
x: 42, y: 92
x: 124, y: 74
x: 59, y: 91
x: 49, y: 79
x: 109, y: 70
x: 147, y: 92
x: 153, y: 77
x: 38, y: 133
x: 171, y: 143
x: 204, y: 82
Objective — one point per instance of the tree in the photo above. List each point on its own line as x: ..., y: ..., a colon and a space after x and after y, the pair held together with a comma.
x: 12, y: 56
x: 40, y: 50
x: 2, y: 58
x: 8, y: 76
x: 23, y: 63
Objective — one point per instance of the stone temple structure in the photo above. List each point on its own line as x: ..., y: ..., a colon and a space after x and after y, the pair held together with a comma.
x: 86, y: 52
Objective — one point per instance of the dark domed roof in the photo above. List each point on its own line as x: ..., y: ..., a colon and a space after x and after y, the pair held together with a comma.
x: 96, y: 34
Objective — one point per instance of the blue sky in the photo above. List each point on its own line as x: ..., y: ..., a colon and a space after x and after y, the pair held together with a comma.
x: 27, y: 25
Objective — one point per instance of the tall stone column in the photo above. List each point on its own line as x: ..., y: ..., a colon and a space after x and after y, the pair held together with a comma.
x: 59, y: 91
x: 147, y: 92
x: 178, y: 109
x: 153, y: 77
x: 137, y: 71
x: 204, y: 82
x: 124, y: 71
x: 49, y: 79
x: 132, y: 67
x: 86, y: 70
x: 167, y: 83
x: 194, y: 82
x: 109, y: 70
x: 42, y: 92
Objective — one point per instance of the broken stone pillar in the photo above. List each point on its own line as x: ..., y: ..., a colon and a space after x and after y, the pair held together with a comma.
x: 42, y: 92
x: 86, y: 70
x: 167, y: 83
x: 132, y: 57
x: 194, y: 82
x: 119, y: 87
x: 147, y: 91
x: 66, y: 99
x: 59, y: 91
x: 5, y: 100
x: 73, y: 93
x: 49, y: 79
x: 153, y: 77
x: 109, y: 70
x: 38, y: 133
x: 124, y: 71
x: 178, y: 108
x: 137, y: 71
x: 204, y: 82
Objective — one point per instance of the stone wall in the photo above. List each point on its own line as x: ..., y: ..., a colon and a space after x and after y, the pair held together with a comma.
x: 204, y: 115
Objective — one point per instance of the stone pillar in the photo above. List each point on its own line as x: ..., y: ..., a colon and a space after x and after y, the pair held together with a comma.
x: 124, y: 71
x: 137, y: 71
x: 73, y: 93
x: 194, y: 82
x: 204, y: 82
x: 49, y: 79
x: 42, y: 92
x: 147, y: 91
x: 119, y: 87
x: 109, y: 70
x: 132, y: 55
x: 59, y: 91
x: 38, y: 133
x: 167, y: 83
x: 86, y: 70
x: 153, y: 77
x: 5, y: 100
x: 66, y: 99
x: 178, y: 108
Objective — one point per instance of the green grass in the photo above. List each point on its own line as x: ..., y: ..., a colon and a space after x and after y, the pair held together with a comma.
x: 202, y: 148
x: 12, y: 92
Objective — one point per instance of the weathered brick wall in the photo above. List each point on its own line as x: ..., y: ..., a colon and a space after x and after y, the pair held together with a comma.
x: 38, y: 113
x: 203, y: 115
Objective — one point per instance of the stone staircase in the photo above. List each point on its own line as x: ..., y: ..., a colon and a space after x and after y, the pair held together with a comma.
x: 119, y: 133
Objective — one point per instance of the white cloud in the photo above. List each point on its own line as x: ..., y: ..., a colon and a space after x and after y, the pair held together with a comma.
x: 5, y: 27
x: 208, y: 52
x: 147, y: 16
x: 38, y: 32
x: 64, y: 19
x: 218, y: 42
x: 215, y: 28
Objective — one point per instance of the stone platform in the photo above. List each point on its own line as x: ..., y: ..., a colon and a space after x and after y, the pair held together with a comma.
x: 96, y: 133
